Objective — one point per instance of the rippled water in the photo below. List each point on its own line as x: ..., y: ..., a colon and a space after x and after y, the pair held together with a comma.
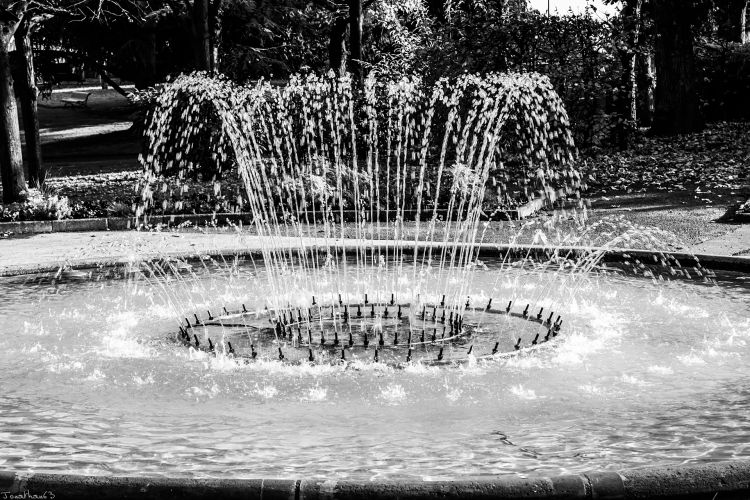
x: 644, y: 372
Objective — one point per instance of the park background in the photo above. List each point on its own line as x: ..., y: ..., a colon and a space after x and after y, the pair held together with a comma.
x: 656, y: 90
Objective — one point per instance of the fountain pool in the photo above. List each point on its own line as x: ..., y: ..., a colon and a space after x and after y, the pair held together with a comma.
x: 644, y: 371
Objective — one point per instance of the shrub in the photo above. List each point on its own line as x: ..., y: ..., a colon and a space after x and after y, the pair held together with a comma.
x: 39, y: 205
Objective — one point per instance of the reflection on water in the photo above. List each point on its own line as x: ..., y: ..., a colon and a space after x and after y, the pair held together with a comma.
x: 644, y: 372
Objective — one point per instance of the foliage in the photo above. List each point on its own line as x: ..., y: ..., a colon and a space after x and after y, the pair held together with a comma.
x: 315, y: 144
x: 40, y: 205
x: 577, y: 52
x: 715, y: 159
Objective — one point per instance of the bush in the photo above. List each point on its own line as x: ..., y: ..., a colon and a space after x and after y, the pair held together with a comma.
x: 576, y: 52
x: 40, y: 205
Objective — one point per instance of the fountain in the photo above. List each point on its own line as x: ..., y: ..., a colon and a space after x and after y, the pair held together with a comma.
x: 378, y: 322
x: 394, y: 174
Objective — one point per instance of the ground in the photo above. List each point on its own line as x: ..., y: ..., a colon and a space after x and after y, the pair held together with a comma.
x: 682, y: 185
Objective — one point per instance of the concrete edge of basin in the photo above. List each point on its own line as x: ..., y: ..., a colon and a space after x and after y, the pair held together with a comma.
x: 708, y: 261
x: 719, y: 480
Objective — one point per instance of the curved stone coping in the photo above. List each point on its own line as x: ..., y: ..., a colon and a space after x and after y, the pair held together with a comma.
x: 256, y: 247
x: 721, y: 480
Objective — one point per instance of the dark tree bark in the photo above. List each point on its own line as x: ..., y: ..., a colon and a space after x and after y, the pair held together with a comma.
x: 11, y: 161
x: 675, y: 99
x: 627, y: 96
x: 28, y: 95
x: 646, y: 85
x: 214, y: 28
x: 337, y: 45
x: 732, y: 17
x: 355, y: 39
x: 201, y: 35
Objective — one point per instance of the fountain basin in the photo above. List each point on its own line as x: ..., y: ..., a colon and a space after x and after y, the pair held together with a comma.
x: 599, y: 398
x: 724, y: 479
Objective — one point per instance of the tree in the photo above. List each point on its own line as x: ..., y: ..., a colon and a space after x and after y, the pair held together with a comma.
x: 16, y: 20
x: 355, y: 38
x: 675, y: 97
x: 628, y: 90
x: 11, y: 160
x: 27, y: 83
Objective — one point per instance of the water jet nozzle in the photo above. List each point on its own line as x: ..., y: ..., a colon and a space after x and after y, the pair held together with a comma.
x: 549, y: 333
x: 335, y: 337
x: 536, y: 339
x: 346, y: 313
x: 434, y: 334
x: 340, y: 302
x: 381, y: 342
x: 442, y: 301
x: 231, y: 349
x: 376, y: 356
x: 281, y: 355
x: 188, y: 322
x: 366, y: 301
x: 197, y: 321
x: 549, y: 319
x: 494, y: 349
x: 489, y: 304
x: 253, y: 353
x: 518, y: 344
x: 372, y: 311
x: 210, y: 345
x: 385, y: 312
x: 225, y: 310
x: 440, y: 355
x: 398, y: 314
x: 367, y: 341
x: 471, y: 347
x: 244, y: 309
x: 442, y: 318
x: 322, y: 338
x: 351, y: 339
x: 313, y: 302
x: 309, y: 337
x: 408, y: 355
x: 395, y: 338
x: 359, y: 311
x: 343, y: 354
x: 526, y: 311
x: 393, y: 299
x: 310, y: 356
x: 539, y: 315
x: 421, y: 338
x: 507, y: 309
x: 197, y: 343
x: 210, y: 318
x: 467, y: 302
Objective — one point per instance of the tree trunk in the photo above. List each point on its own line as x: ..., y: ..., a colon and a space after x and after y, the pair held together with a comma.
x: 336, y: 45
x: 201, y: 36
x: 646, y: 85
x: 28, y: 97
x: 675, y: 99
x: 355, y: 39
x: 11, y: 161
x: 214, y: 30
x: 732, y: 16
x: 626, y: 123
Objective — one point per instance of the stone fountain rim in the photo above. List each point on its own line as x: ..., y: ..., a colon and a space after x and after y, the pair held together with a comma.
x: 731, y: 478
x: 708, y: 261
